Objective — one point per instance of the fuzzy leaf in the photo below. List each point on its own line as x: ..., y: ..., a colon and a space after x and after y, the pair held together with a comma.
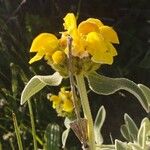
x: 143, y: 131
x: 106, y: 86
x: 37, y: 83
x: 100, y: 118
x: 135, y: 146
x: 125, y: 132
x: 106, y: 147
x: 146, y: 91
x: 131, y: 126
x: 120, y: 145
x: 66, y: 132
x: 64, y: 137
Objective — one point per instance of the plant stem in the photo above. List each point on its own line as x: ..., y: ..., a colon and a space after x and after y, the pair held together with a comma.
x: 33, y: 125
x: 17, y: 131
x: 82, y: 136
x: 86, y: 109
x: 78, y: 9
x: 0, y: 146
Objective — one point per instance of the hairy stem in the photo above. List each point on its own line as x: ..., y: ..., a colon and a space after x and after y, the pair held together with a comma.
x: 86, y: 109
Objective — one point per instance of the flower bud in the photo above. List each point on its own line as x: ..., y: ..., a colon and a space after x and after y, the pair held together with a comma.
x: 58, y: 57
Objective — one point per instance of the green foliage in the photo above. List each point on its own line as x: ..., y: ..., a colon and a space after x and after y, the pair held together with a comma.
x: 146, y: 91
x: 106, y: 86
x: 131, y: 127
x: 65, y: 132
x: 141, y: 141
x: 121, y: 145
x: 52, y: 137
x: 137, y: 139
x: 17, y: 131
x: 100, y: 118
x: 17, y: 28
x: 37, y: 83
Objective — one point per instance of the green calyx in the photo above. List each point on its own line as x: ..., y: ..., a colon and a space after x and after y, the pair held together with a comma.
x: 79, y: 65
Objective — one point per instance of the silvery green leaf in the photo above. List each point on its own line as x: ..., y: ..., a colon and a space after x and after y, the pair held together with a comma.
x: 131, y: 126
x: 147, y: 121
x: 135, y: 146
x: 37, y: 83
x: 67, y: 122
x: 142, y: 135
x: 66, y: 132
x: 119, y: 145
x: 146, y: 91
x: 105, y: 147
x: 64, y: 137
x: 125, y: 133
x: 100, y: 118
x: 106, y: 86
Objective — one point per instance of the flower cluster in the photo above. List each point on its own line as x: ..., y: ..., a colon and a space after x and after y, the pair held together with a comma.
x: 92, y: 40
x: 63, y: 103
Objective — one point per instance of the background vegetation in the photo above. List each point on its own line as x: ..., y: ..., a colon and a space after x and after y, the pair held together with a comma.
x: 21, y: 21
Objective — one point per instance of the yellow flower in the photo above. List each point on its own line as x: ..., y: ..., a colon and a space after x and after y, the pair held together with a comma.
x: 66, y: 97
x: 93, y: 37
x: 62, y: 102
x: 44, y: 44
x: 68, y: 106
x: 56, y: 100
x: 99, y: 40
x: 78, y: 43
x: 70, y: 23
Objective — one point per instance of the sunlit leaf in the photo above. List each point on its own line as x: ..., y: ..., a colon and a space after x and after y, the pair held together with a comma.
x: 120, y: 145
x: 141, y: 138
x: 106, y: 147
x: 65, y: 136
x: 146, y: 91
x: 106, y: 86
x: 135, y: 146
x: 100, y: 118
x: 125, y: 133
x: 39, y: 82
x: 131, y: 126
x: 66, y: 132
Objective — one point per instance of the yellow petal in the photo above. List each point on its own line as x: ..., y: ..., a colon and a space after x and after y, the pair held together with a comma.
x: 111, y: 49
x: 95, y: 21
x: 95, y: 43
x: 78, y: 47
x: 58, y: 57
x: 44, y: 43
x: 54, y: 98
x: 56, y: 101
x: 70, y: 22
x: 109, y: 34
x: 86, y: 27
x: 37, y: 57
x: 68, y: 106
x: 63, y: 41
x: 103, y: 58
